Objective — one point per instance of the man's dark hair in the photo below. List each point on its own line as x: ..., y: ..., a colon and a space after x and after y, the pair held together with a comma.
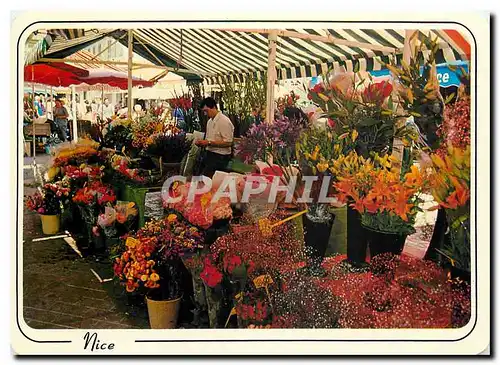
x: 209, y: 103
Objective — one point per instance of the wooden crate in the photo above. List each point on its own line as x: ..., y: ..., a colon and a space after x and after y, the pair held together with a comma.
x: 40, y: 130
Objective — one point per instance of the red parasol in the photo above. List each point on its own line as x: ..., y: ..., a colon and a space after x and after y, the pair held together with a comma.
x: 113, y: 78
x: 59, y: 74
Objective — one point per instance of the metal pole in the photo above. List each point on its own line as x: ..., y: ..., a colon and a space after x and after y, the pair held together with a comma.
x: 102, y: 103
x: 33, y: 121
x: 130, y: 57
x: 73, y: 107
x: 271, y: 75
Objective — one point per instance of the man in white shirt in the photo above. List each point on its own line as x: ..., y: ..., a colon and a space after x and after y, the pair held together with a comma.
x: 106, y: 110
x: 218, y: 139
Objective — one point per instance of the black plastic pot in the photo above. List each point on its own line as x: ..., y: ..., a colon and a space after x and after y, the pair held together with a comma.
x: 356, y: 237
x: 383, y: 242
x: 316, y: 238
x: 456, y: 273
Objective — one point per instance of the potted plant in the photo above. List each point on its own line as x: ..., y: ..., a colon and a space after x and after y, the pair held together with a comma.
x: 388, y: 205
x: 91, y: 200
x: 151, y: 263
x: 48, y: 202
x: 317, y: 149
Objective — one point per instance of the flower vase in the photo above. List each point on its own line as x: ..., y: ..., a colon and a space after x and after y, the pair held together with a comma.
x: 214, y: 304
x: 385, y: 242
x: 50, y: 223
x: 317, y: 223
x: 356, y: 238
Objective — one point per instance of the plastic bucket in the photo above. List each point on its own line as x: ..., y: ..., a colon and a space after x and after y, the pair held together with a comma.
x: 163, y: 313
x: 50, y: 223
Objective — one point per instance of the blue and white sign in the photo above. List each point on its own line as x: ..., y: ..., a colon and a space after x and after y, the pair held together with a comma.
x: 446, y: 76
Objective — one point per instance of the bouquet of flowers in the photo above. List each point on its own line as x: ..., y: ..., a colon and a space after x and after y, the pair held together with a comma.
x: 202, y: 211
x: 386, y: 203
x: 143, y: 129
x: 171, y: 147
x: 120, y: 164
x: 117, y: 220
x: 75, y: 154
x: 150, y: 259
x: 274, y: 143
x: 353, y: 102
x: 287, y: 101
x: 118, y: 136
x: 95, y: 192
x: 83, y: 171
x: 49, y: 200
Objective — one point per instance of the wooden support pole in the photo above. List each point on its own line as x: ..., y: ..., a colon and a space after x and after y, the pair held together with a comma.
x: 74, y: 112
x: 130, y: 59
x: 314, y: 37
x: 116, y: 63
x: 34, y: 115
x: 271, y: 75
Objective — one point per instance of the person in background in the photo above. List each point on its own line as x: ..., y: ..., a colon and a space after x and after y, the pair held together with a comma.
x: 94, y: 109
x: 38, y: 107
x: 61, y: 120
x: 50, y: 108
x: 106, y: 111
x: 218, y: 139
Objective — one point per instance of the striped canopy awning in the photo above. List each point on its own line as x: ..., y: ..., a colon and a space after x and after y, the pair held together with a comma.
x: 231, y: 54
x: 67, y: 33
x: 54, y: 45
x: 218, y: 54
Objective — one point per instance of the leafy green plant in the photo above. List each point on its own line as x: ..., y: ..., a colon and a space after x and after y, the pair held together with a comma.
x: 244, y: 102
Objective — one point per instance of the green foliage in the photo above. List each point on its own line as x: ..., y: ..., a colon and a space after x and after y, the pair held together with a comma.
x: 244, y: 101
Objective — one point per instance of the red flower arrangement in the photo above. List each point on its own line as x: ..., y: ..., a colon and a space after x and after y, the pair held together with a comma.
x: 210, y: 274
x: 83, y: 172
x: 400, y: 292
x: 455, y: 129
x: 95, y: 192
x: 182, y: 102
x: 376, y: 93
x: 121, y: 165
x: 258, y: 311
x: 48, y: 199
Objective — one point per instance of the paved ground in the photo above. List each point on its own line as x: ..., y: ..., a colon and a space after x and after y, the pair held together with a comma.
x: 60, y: 291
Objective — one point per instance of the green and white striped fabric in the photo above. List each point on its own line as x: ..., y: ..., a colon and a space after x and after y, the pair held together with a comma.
x: 217, y: 54
x: 230, y: 55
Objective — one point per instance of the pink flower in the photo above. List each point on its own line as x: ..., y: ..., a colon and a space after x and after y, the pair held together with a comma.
x: 41, y: 210
x: 95, y: 231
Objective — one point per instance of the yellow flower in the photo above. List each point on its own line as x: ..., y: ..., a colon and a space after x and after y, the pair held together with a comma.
x: 171, y: 218
x: 154, y: 277
x: 354, y: 135
x: 322, y: 166
x: 131, y: 242
x: 144, y: 278
x: 314, y: 156
x: 323, y: 97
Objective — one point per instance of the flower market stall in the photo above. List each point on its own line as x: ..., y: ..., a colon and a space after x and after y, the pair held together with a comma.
x: 249, y: 250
